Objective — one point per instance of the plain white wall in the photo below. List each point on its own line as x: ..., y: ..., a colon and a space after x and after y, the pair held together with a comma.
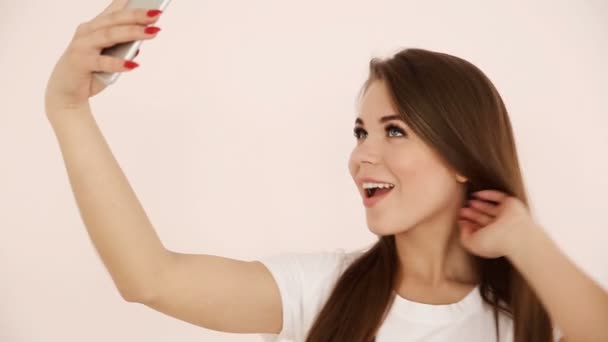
x: 236, y: 130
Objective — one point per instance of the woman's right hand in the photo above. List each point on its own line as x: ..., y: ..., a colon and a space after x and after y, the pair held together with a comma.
x: 72, y: 82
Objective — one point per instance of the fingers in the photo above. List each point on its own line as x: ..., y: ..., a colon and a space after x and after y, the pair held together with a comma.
x: 481, y: 211
x: 467, y: 228
x: 467, y: 224
x: 117, y: 34
x: 491, y: 195
x: 115, y: 25
x: 485, y: 207
x: 90, y: 62
x: 114, y: 6
x: 103, y: 63
x: 132, y: 16
x: 475, y: 216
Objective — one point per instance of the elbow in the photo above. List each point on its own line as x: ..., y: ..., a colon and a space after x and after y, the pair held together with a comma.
x: 145, y: 287
x: 136, y: 295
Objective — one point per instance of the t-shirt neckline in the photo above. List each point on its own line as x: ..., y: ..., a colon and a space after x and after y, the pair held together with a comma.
x: 411, y: 310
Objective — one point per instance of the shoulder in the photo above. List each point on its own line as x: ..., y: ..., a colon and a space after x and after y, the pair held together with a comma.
x: 309, y: 269
x: 305, y: 281
x: 324, y: 261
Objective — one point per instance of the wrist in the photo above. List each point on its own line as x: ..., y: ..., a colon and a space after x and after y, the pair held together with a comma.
x: 523, y: 244
x: 55, y: 113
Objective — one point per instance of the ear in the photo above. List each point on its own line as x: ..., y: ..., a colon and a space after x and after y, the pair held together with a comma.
x: 461, y: 179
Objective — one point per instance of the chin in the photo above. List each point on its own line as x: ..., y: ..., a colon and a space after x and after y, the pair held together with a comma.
x: 387, y: 224
x: 386, y: 229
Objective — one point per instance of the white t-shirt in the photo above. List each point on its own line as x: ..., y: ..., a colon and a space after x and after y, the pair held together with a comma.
x: 305, y: 281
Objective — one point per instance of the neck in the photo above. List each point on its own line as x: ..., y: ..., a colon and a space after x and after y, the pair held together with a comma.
x: 431, y: 254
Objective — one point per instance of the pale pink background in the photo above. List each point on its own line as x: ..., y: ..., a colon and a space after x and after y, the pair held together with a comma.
x: 236, y: 130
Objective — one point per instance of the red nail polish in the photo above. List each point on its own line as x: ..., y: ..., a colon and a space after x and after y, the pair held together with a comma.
x: 130, y: 65
x: 154, y: 13
x: 152, y: 29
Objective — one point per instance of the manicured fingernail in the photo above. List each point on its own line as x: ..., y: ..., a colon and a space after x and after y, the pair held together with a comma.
x: 131, y: 65
x: 152, y: 29
x: 154, y: 13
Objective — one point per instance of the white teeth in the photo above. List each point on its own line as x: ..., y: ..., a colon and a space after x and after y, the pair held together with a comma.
x: 377, y: 185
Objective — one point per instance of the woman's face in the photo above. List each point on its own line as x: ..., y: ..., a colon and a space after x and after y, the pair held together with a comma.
x: 391, y: 152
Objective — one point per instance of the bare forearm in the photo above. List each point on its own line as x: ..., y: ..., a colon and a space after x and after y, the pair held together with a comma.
x: 116, y: 222
x: 577, y: 304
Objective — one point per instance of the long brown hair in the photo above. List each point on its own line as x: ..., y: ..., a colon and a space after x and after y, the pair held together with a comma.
x: 454, y: 107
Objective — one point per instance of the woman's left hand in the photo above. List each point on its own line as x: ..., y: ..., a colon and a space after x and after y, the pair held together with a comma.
x: 491, y: 230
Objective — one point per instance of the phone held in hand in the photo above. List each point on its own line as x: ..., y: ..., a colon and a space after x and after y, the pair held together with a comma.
x: 128, y: 50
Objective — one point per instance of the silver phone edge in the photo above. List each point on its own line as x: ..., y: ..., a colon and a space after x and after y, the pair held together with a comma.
x: 110, y: 78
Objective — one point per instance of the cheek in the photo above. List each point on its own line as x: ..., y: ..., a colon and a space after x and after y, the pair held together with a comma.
x: 424, y: 185
x: 412, y: 174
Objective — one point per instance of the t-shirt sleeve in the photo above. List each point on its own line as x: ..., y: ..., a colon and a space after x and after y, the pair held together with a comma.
x: 304, y: 281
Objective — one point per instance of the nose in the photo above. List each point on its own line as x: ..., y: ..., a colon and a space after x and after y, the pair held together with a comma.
x: 365, y: 153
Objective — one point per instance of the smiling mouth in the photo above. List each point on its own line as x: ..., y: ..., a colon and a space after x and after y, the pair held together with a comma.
x: 376, y: 191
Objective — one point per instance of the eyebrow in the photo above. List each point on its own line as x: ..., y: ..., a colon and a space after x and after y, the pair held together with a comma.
x: 382, y: 119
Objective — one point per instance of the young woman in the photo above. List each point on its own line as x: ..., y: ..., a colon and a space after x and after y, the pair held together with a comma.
x: 459, y: 256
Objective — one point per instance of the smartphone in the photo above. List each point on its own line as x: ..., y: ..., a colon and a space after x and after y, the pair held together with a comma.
x: 127, y: 50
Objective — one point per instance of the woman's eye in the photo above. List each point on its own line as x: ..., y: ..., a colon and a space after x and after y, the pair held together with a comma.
x: 390, y: 128
x: 395, y: 128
